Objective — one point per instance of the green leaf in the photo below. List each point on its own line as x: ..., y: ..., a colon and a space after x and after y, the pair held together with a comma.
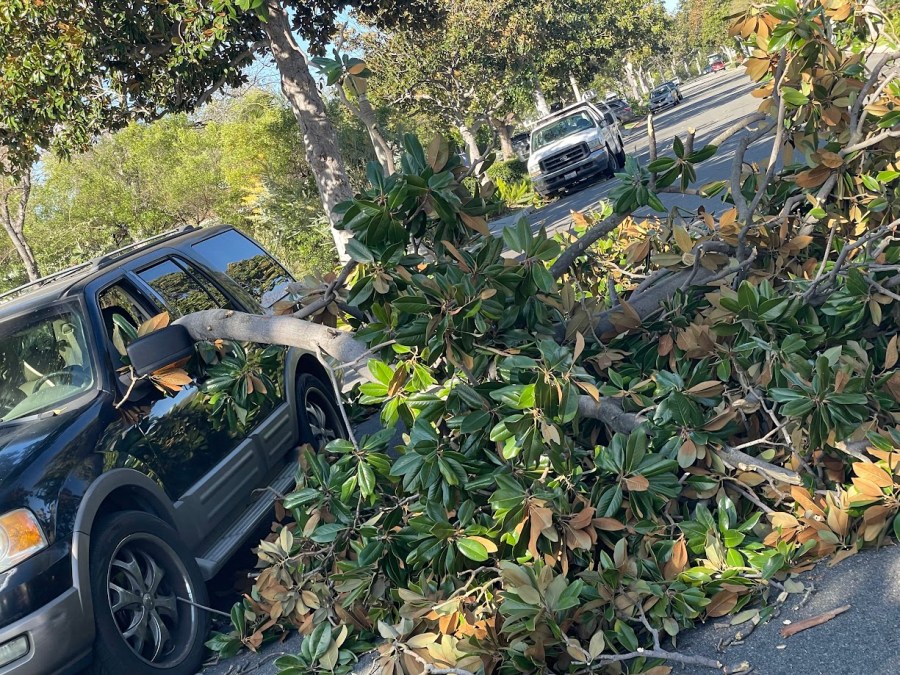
x: 472, y: 549
x: 366, y: 479
x: 793, y: 96
x: 678, y: 147
x: 661, y: 164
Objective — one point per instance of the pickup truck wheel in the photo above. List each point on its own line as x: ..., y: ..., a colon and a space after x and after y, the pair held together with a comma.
x: 141, y: 573
x: 613, y: 165
x: 320, y: 420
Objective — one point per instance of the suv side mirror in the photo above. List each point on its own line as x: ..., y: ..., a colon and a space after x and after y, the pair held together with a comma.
x: 159, y: 349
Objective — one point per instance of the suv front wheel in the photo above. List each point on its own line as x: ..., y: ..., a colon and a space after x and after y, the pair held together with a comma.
x: 141, y: 575
x: 320, y: 420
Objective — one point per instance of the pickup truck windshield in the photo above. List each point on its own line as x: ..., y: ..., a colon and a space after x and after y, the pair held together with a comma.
x: 45, y: 361
x: 659, y: 92
x: 560, y: 129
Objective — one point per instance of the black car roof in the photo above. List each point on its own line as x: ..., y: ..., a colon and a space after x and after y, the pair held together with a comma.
x: 71, y: 281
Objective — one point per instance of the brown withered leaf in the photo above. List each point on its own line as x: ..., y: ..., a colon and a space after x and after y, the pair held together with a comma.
x: 153, y: 324
x: 873, y: 473
x: 637, y: 483
x: 812, y: 622
x: 830, y: 159
x: 721, y: 603
x: 477, y: 223
x: 812, y: 177
x: 579, y: 219
x: 438, y: 152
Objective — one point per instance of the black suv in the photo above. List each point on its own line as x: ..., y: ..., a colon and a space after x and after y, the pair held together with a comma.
x: 118, y: 501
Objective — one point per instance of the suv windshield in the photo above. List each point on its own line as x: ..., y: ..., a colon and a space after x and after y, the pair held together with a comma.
x: 560, y: 129
x: 44, y: 361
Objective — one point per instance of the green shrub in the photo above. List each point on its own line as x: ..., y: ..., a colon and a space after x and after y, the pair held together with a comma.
x: 509, y: 171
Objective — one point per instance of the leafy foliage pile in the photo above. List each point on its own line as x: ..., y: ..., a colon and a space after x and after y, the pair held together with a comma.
x: 583, y: 475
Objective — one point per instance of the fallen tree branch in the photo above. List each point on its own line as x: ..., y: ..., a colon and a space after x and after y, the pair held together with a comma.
x: 224, y: 324
x: 583, y: 243
x: 611, y: 413
x: 674, y: 657
x: 330, y: 292
x: 744, y: 462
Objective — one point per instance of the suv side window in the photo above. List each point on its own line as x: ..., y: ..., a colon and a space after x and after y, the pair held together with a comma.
x: 184, y: 290
x: 253, y: 269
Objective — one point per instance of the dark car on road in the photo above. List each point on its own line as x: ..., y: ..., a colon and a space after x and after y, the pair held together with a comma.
x: 664, y: 96
x: 622, y: 109
x: 119, y: 497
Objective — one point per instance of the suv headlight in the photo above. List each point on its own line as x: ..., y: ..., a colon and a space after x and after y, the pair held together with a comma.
x: 534, y: 171
x: 20, y: 538
x: 595, y: 143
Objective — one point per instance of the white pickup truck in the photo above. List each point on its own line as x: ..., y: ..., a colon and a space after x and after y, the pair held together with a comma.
x: 575, y: 145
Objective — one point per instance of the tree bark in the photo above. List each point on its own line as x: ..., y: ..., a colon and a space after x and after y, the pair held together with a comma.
x: 636, y: 91
x: 366, y: 114
x: 575, y: 88
x: 540, y: 102
x: 319, y: 136
x: 224, y: 324
x: 14, y: 223
x: 503, y: 133
x: 468, y: 134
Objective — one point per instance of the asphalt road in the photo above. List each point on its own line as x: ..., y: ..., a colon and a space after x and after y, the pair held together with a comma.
x: 711, y: 104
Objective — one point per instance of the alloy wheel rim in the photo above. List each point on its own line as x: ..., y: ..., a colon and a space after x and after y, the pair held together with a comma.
x: 320, y: 424
x: 144, y: 581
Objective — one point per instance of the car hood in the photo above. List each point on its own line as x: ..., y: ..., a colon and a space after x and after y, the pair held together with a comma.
x: 21, y: 442
x: 569, y: 141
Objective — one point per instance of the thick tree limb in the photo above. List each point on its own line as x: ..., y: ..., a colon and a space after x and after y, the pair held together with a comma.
x: 571, y: 254
x: 214, y: 324
x: 610, y: 412
x: 650, y: 299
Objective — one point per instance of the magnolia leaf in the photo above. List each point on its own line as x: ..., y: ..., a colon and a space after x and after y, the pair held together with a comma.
x: 153, y: 324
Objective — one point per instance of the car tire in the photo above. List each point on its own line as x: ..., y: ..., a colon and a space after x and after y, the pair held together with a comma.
x: 167, y: 635
x: 621, y: 154
x: 319, y: 418
x: 613, y: 165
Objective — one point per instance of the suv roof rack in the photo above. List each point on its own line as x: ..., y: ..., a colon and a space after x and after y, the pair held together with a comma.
x: 99, y: 262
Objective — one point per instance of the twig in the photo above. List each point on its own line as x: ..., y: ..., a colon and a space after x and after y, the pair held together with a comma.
x: 203, y: 607
x: 872, y: 140
x: 674, y: 657
x: 744, y: 462
x: 134, y: 381
x: 737, y: 485
x: 738, y: 126
x: 329, y: 294
x: 651, y: 139
x: 338, y: 397
x: 842, y: 257
x: 855, y: 121
x: 776, y: 146
x: 881, y: 289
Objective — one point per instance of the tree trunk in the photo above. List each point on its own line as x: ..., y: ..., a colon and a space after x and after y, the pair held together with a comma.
x: 14, y: 224
x: 468, y: 134
x: 319, y: 136
x: 642, y: 78
x: 575, y: 88
x: 632, y: 81
x: 505, y: 136
x: 539, y: 101
x: 366, y: 114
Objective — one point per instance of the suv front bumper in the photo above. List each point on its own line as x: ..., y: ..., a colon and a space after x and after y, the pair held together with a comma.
x: 589, y: 167
x: 58, y: 635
